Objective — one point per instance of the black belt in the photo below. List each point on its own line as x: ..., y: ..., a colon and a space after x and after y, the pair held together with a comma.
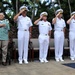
x: 46, y: 34
x: 58, y: 30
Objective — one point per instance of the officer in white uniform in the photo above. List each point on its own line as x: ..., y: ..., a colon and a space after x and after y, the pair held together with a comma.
x: 71, y: 22
x: 44, y: 36
x: 24, y: 32
x: 59, y: 26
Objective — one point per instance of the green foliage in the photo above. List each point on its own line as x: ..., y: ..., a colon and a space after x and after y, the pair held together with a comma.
x: 36, y: 4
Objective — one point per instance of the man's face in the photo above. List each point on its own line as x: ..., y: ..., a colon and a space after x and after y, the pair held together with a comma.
x: 1, y: 17
x: 24, y: 13
x: 44, y: 17
x: 74, y: 16
x: 60, y: 15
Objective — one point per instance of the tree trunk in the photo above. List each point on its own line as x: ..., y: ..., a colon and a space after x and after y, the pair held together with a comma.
x: 59, y: 4
x: 69, y: 6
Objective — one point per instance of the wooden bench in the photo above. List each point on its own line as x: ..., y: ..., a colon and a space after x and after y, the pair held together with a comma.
x: 66, y: 45
x: 51, y: 46
x: 16, y: 48
x: 35, y: 43
x: 35, y: 47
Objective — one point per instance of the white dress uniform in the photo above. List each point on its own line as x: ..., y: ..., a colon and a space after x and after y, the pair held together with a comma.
x: 23, y: 36
x: 59, y: 38
x: 72, y: 38
x: 44, y: 28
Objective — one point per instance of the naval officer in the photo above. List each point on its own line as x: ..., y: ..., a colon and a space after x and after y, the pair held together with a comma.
x: 71, y: 22
x: 24, y: 32
x: 44, y: 36
x: 59, y: 27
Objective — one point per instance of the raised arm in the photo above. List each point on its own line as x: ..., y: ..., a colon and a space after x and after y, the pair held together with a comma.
x: 37, y: 20
x: 16, y: 16
x: 69, y: 20
x: 54, y: 20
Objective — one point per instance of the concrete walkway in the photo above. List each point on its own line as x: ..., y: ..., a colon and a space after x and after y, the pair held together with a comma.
x: 36, y: 68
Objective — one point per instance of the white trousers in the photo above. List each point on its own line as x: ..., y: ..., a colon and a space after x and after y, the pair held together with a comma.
x: 59, y: 43
x: 72, y: 44
x: 23, y: 40
x: 43, y: 46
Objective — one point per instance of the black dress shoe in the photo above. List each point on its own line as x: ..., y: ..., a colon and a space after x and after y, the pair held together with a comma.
x: 4, y: 63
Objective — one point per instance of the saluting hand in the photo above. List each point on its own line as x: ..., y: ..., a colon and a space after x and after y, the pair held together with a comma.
x: 41, y: 17
x: 72, y: 16
x: 58, y: 14
x: 22, y: 11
